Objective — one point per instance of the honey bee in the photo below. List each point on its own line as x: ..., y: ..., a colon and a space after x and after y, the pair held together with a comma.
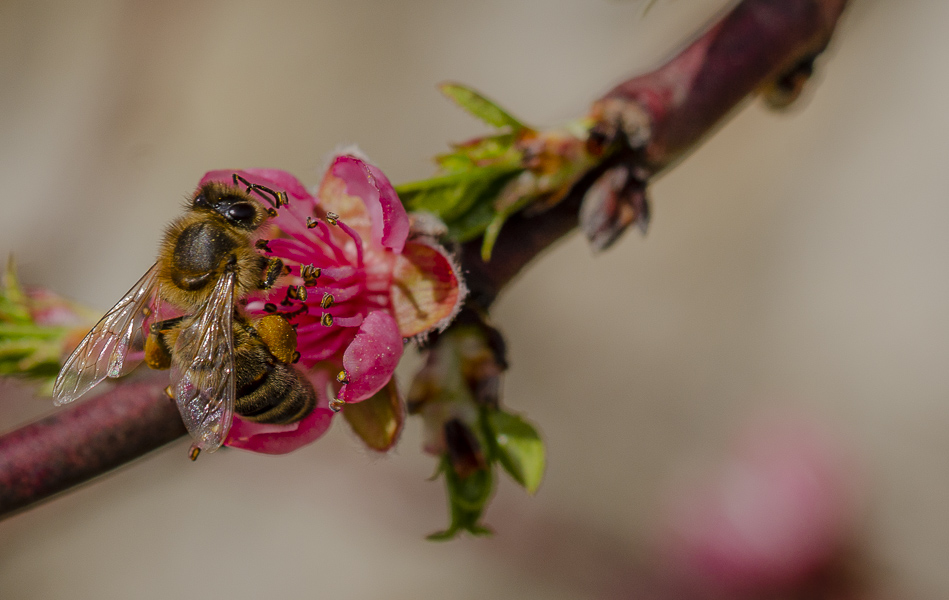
x: 221, y: 361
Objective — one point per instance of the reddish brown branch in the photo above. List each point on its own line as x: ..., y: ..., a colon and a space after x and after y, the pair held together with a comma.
x: 761, y: 45
x: 84, y: 441
x: 656, y: 118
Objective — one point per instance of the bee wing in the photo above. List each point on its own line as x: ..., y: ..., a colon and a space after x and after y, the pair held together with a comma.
x: 104, y: 352
x: 202, y: 371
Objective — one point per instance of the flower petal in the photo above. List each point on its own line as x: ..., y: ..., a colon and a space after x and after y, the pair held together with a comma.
x: 371, y: 358
x: 390, y: 223
x: 281, y: 439
x: 426, y: 289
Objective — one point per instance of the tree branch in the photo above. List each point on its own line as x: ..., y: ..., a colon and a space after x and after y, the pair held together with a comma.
x: 84, y: 441
x: 761, y: 45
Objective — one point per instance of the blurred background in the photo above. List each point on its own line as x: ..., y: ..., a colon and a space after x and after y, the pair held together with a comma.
x: 795, y: 265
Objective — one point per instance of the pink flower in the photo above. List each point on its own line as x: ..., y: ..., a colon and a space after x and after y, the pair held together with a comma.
x: 777, y: 511
x: 357, y: 286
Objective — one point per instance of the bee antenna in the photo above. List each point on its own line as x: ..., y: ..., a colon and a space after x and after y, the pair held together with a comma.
x: 276, y: 199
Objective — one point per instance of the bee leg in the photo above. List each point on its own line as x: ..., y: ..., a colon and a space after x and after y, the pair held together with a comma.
x: 279, y: 337
x: 157, y: 344
x: 272, y: 270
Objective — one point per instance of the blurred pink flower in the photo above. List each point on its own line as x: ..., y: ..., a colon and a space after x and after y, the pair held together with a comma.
x: 358, y: 285
x: 778, y: 510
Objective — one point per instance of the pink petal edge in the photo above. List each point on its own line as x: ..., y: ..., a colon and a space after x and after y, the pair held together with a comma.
x: 266, y: 438
x: 279, y: 439
x: 371, y: 357
x: 390, y: 222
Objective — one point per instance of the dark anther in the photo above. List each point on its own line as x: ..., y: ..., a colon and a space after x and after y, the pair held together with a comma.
x: 263, y: 245
x: 289, y: 315
x: 269, y: 307
x: 310, y: 223
x: 310, y: 274
x: 327, y: 300
x: 296, y: 293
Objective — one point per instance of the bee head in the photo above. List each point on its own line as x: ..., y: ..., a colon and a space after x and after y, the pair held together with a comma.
x: 237, y: 207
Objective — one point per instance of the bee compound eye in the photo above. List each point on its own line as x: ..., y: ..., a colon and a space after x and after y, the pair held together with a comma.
x: 242, y: 212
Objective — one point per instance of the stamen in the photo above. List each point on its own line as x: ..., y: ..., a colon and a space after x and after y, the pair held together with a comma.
x: 326, y: 320
x: 270, y: 307
x: 295, y: 293
x: 310, y: 274
x: 289, y: 315
x: 337, y: 405
x: 194, y: 452
x: 356, y: 238
x: 332, y: 218
x: 296, y: 355
x: 310, y: 223
x: 342, y: 377
x: 327, y: 300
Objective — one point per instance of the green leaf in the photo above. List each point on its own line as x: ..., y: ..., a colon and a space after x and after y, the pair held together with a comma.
x: 467, y: 499
x: 479, y: 106
x: 13, y: 302
x: 463, y: 200
x: 519, y: 448
x: 493, y: 150
x: 450, y: 196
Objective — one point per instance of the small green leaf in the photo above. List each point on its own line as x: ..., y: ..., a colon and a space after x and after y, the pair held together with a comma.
x: 493, y: 150
x: 450, y: 196
x: 467, y: 499
x: 479, y: 106
x: 520, y: 449
x: 463, y: 200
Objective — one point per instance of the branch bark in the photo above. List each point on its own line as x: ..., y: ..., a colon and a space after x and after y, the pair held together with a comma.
x: 84, y: 441
x: 761, y: 45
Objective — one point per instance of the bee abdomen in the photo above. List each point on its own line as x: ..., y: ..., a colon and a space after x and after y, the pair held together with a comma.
x: 280, y: 395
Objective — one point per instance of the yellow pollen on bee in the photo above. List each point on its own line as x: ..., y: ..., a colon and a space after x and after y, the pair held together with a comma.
x: 342, y: 377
